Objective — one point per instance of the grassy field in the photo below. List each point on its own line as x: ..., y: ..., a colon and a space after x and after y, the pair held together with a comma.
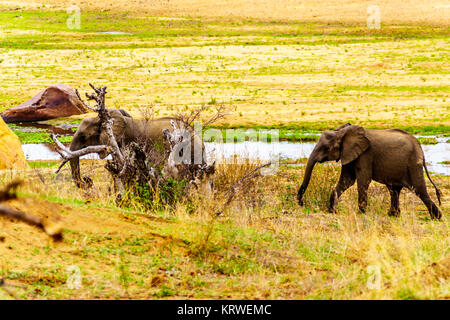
x: 272, y: 73
x: 264, y: 246
x: 299, y: 67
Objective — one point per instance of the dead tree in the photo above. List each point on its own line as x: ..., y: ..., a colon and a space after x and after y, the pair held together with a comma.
x: 117, y: 164
x: 137, y: 162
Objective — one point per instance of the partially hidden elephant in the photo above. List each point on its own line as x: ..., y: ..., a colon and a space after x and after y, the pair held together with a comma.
x: 126, y: 130
x: 392, y: 157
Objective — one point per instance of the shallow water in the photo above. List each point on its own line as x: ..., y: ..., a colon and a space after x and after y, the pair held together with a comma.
x: 434, y: 154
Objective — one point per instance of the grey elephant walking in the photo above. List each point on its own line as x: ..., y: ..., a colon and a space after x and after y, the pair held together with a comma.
x: 392, y: 157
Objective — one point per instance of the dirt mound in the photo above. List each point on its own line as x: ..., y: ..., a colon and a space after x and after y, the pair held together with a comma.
x: 11, y: 154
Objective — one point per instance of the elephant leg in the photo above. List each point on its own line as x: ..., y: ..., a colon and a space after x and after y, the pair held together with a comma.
x: 395, y: 205
x: 425, y: 197
x: 420, y: 188
x: 346, y: 180
x: 363, y: 180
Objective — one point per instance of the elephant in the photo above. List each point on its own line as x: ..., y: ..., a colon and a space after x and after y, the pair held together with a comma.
x: 126, y: 130
x: 392, y: 157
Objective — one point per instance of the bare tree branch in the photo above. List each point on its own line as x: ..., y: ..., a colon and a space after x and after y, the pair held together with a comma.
x: 49, y: 228
x: 106, y: 120
x: 52, y: 229
x: 106, y: 123
x: 5, y: 286
x: 82, y: 101
x: 221, y: 113
x: 173, y: 138
x: 9, y: 193
x: 194, y: 114
x: 233, y: 189
x: 67, y: 154
x: 17, y: 215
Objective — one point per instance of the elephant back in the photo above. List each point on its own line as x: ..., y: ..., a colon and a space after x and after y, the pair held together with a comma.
x: 154, y: 132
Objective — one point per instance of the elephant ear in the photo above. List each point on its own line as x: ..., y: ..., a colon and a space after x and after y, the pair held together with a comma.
x: 342, y: 127
x: 125, y: 114
x: 119, y: 126
x: 354, y: 143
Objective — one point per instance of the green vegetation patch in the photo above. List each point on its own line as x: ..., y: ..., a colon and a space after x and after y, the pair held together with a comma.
x: 39, y: 137
x: 302, y: 128
x: 43, y: 164
x: 259, y: 133
x: 136, y: 32
x: 427, y: 140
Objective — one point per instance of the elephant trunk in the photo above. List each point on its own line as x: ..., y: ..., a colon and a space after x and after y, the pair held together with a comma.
x: 76, y: 176
x: 75, y: 165
x: 308, y: 171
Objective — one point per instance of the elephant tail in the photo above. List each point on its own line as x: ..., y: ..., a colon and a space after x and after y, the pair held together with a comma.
x: 438, y: 192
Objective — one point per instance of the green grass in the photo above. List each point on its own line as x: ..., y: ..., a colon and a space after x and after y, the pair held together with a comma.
x: 39, y: 137
x: 239, y: 134
x: 315, y: 82
x: 300, y: 128
x: 427, y: 140
x: 148, y: 32
x: 43, y: 164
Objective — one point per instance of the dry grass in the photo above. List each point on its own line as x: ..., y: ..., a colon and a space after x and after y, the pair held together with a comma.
x: 264, y: 246
x: 347, y: 11
x: 263, y: 85
x: 272, y: 72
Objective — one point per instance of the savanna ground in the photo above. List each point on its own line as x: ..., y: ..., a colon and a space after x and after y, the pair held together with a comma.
x: 300, y: 66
